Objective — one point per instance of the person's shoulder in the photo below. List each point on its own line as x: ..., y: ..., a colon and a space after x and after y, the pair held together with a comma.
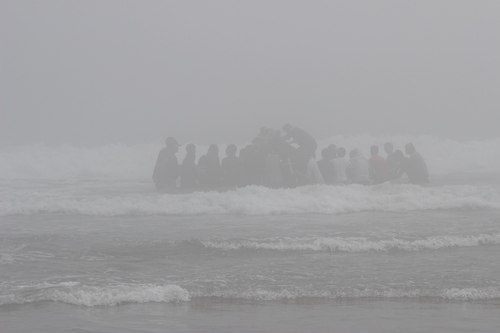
x: 165, y: 153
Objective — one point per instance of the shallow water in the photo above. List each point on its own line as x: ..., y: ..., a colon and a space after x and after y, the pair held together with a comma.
x: 379, y: 271
x: 90, y: 253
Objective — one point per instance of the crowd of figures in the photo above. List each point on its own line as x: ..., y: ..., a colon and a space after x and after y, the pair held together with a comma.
x: 287, y: 161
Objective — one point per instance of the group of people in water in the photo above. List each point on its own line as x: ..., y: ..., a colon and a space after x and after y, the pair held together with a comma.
x: 286, y: 161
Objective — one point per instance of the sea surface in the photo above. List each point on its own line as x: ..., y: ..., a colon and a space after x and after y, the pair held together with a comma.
x: 88, y: 245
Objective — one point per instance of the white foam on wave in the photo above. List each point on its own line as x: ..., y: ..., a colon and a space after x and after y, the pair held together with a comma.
x: 254, y: 200
x: 105, y: 296
x: 339, y: 244
x: 111, y: 296
x: 119, y: 161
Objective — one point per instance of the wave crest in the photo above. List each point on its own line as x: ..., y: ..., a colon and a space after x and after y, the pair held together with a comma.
x: 254, y: 200
x: 338, y: 244
x: 106, y: 296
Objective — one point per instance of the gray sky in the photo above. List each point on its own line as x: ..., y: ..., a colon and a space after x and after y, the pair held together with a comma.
x: 96, y: 72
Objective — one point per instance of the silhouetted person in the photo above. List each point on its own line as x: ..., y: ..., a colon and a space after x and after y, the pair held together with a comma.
x: 188, y: 170
x: 307, y: 144
x: 358, y: 169
x: 166, y: 169
x: 332, y: 150
x: 209, y: 170
x: 325, y: 165
x: 231, y: 167
x: 416, y: 169
x: 378, y: 168
x: 264, y: 136
x: 391, y: 162
x: 278, y: 145
x: 340, y: 164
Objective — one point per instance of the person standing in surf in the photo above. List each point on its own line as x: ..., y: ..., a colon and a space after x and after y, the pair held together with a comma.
x: 378, y: 167
x: 231, y: 168
x: 391, y: 161
x: 188, y: 169
x: 209, y: 169
x: 166, y: 169
x: 325, y: 165
x: 416, y: 168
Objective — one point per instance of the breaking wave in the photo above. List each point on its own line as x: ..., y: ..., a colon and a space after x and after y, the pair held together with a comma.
x: 339, y: 244
x: 112, y: 296
x: 104, y: 296
x: 253, y: 200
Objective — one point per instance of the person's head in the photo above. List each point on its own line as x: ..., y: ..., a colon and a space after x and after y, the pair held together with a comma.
x: 398, y: 155
x: 172, y: 144
x: 231, y: 150
x: 341, y: 152
x: 191, y: 148
x: 213, y: 150
x: 333, y: 150
x: 287, y: 128
x: 354, y: 153
x: 388, y: 148
x: 374, y: 150
x: 409, y: 148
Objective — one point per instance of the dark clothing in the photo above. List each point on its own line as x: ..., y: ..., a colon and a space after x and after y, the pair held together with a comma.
x: 378, y: 169
x: 327, y: 171
x: 416, y: 169
x: 253, y: 164
x: 189, y: 172
x: 209, y: 171
x: 305, y: 141
x: 166, y: 170
x: 231, y: 171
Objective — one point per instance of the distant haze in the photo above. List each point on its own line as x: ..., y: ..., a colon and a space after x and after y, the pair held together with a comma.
x: 97, y: 72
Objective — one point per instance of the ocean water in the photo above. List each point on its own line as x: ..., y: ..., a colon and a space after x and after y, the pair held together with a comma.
x: 88, y: 245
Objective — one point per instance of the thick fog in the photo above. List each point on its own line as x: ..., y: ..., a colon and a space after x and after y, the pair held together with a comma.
x: 97, y: 72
